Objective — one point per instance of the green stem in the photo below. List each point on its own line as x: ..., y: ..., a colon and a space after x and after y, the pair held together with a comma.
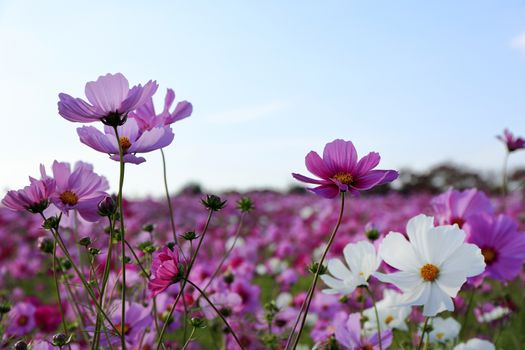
x: 170, y: 205
x: 146, y: 273
x: 62, y: 245
x: 57, y: 286
x: 217, y: 312
x: 423, y: 333
x: 105, y: 278
x: 309, y: 297
x: 377, y: 318
x: 122, y: 236
x: 227, y: 254
x: 183, y: 283
x: 189, y: 339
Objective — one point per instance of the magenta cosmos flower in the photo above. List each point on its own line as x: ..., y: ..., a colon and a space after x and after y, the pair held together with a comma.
x: 21, y: 319
x: 130, y: 138
x: 147, y: 118
x: 456, y: 207
x: 501, y: 244
x: 33, y: 198
x: 167, y: 268
x: 513, y: 143
x: 340, y: 170
x: 110, y: 100
x: 80, y: 189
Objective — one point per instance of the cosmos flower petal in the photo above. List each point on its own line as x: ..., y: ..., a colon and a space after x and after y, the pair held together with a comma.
x: 107, y: 92
x: 152, y: 140
x: 309, y: 180
x: 95, y: 139
x: 404, y: 280
x: 367, y: 163
x: 437, y: 301
x: 326, y: 191
x: 397, y: 252
x: 76, y: 110
x: 444, y: 241
x: 374, y: 178
x: 338, y: 269
x: 183, y: 110
x: 417, y: 231
x: 340, y: 156
x: 316, y: 165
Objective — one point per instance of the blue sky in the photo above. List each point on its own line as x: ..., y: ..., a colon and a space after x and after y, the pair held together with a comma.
x: 420, y: 82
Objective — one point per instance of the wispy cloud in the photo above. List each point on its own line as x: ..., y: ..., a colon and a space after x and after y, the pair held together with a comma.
x: 518, y: 42
x: 247, y: 114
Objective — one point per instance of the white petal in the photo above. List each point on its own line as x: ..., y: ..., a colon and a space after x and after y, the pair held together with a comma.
x: 443, y: 241
x: 404, y: 280
x: 397, y: 252
x: 437, y: 301
x: 466, y: 260
x: 417, y: 231
x: 338, y: 269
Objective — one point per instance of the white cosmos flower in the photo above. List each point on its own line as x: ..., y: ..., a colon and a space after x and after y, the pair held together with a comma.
x: 475, y: 344
x: 391, y: 315
x: 444, y: 329
x: 433, y: 264
x: 362, y: 262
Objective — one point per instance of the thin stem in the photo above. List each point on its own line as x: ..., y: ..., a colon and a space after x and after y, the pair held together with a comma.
x: 62, y: 245
x: 146, y: 273
x: 170, y: 206
x: 423, y: 333
x: 467, y: 312
x: 218, y: 312
x: 57, y: 286
x: 189, y: 339
x: 183, y: 283
x: 228, y: 252
x: 122, y: 236
x: 504, y: 185
x: 105, y: 278
x: 377, y: 318
x: 309, y: 297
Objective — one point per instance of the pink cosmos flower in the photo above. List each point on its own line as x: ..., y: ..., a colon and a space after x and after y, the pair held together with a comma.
x: 501, y: 244
x: 513, y: 143
x: 21, y: 319
x: 167, y: 268
x: 110, y: 100
x: 147, y: 119
x: 348, y: 334
x: 131, y: 139
x: 341, y: 171
x: 33, y: 198
x: 455, y: 207
x: 80, y: 189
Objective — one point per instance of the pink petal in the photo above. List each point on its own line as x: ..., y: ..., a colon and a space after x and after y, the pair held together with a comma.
x: 340, y: 156
x: 107, y: 92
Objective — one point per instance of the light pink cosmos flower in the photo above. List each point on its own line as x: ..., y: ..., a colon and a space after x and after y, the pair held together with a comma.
x: 513, y: 143
x: 33, y: 198
x: 110, y: 100
x: 167, y: 268
x: 340, y: 170
x: 138, y: 319
x: 147, y: 118
x: 349, y: 334
x: 80, y: 189
x: 130, y: 138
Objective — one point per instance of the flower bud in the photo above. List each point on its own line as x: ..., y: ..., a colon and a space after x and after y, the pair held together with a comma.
x: 198, y: 322
x: 189, y: 236
x: 21, y: 345
x: 85, y: 242
x: 4, y: 308
x: 245, y: 204
x: 60, y: 339
x: 147, y: 247
x: 213, y: 202
x: 148, y: 228
x: 46, y: 245
x: 315, y: 266
x: 371, y: 232
x: 108, y: 206
x: 94, y: 251
x: 51, y: 223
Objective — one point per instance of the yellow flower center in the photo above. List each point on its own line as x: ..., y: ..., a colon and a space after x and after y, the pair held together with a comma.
x: 125, y: 143
x: 429, y: 272
x: 440, y: 335
x: 69, y: 198
x: 367, y: 347
x: 344, y: 178
x: 389, y: 319
x: 126, y: 329
x: 22, y: 320
x: 459, y: 221
x: 489, y: 254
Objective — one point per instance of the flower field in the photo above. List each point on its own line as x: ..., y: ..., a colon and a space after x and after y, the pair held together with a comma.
x: 82, y: 266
